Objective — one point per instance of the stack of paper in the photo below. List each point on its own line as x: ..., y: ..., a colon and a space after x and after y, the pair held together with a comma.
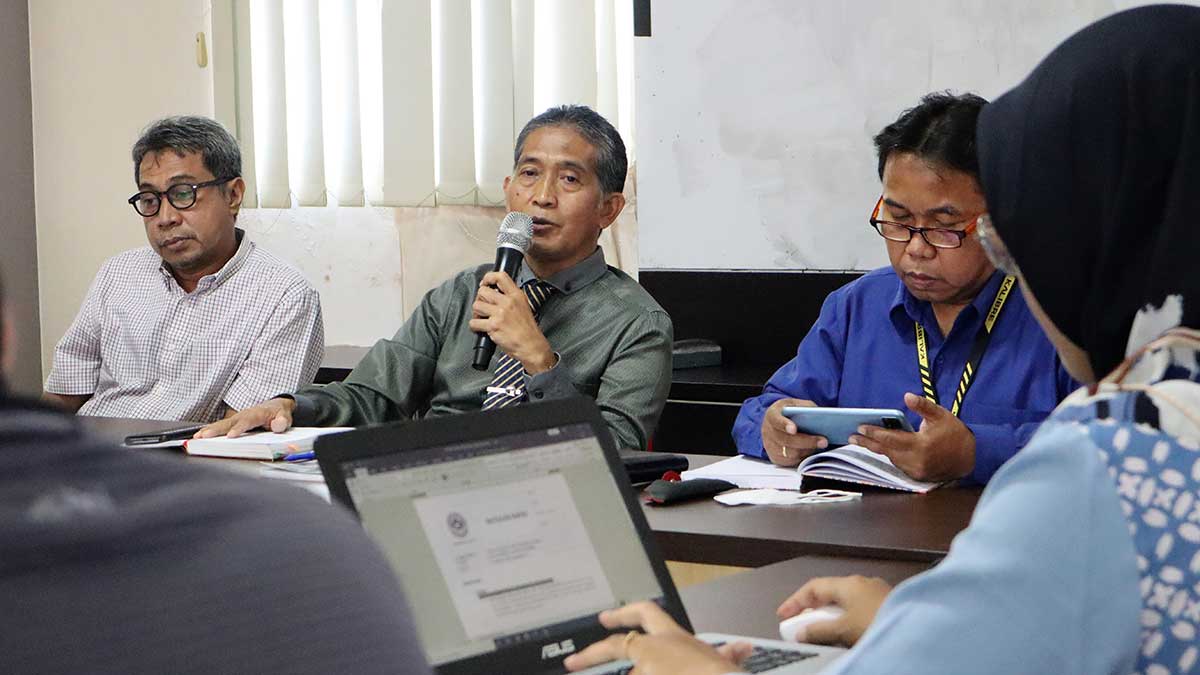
x: 745, y: 472
x: 262, y: 445
x: 307, y: 471
x: 306, y: 474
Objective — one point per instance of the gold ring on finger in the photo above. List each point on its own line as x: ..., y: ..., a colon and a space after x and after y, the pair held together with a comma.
x: 628, y: 641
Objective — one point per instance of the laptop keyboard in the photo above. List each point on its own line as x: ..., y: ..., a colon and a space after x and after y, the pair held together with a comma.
x: 761, y: 660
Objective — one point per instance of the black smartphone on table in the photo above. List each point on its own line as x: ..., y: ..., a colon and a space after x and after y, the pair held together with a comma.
x: 165, y: 436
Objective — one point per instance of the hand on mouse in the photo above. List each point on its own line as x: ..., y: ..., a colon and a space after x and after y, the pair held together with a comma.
x: 859, y: 596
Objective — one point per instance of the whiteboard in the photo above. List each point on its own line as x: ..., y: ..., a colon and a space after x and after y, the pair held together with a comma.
x: 754, y: 118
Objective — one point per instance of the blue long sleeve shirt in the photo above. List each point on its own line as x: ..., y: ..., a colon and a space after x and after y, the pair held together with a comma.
x: 861, y: 353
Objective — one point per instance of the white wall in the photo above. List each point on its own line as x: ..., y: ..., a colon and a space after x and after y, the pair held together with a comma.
x: 100, y: 71
x: 18, y: 231
x: 755, y: 117
x: 372, y: 266
x: 103, y: 69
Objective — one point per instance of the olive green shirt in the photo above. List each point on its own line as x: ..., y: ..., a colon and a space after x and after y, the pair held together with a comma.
x: 612, y: 338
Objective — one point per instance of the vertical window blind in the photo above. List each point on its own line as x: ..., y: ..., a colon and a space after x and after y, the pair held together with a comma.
x: 409, y: 102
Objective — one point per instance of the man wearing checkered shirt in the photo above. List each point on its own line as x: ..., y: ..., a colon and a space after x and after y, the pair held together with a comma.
x: 201, y: 323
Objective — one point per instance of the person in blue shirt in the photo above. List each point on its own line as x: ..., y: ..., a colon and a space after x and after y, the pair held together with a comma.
x: 864, y: 350
x: 1083, y: 555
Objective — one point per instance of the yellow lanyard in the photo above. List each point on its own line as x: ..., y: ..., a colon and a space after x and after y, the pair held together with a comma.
x: 981, y: 342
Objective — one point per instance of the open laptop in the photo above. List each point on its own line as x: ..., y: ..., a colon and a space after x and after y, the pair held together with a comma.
x: 510, y: 531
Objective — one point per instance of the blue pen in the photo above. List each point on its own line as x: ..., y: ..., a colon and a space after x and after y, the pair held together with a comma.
x: 300, y: 456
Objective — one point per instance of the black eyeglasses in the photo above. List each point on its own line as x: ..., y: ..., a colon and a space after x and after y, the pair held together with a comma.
x: 181, y: 195
x: 938, y: 237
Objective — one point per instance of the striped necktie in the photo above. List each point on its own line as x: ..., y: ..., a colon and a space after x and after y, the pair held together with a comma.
x: 508, y: 382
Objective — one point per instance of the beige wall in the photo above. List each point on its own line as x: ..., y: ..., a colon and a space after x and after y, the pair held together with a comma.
x: 18, y: 241
x: 102, y: 69
x: 372, y: 266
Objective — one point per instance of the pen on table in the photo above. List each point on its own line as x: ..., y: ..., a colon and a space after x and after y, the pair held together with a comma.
x: 296, y: 456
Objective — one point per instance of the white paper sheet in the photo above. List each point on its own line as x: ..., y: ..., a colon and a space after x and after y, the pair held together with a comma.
x: 785, y: 497
x: 514, y: 555
x: 745, y: 472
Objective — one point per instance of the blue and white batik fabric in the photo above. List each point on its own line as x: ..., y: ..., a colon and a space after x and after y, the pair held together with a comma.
x: 1145, y: 418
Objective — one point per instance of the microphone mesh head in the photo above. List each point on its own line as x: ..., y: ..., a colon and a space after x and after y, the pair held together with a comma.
x: 516, y: 231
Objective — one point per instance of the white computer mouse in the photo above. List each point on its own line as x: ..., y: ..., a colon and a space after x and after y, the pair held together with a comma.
x: 795, y: 629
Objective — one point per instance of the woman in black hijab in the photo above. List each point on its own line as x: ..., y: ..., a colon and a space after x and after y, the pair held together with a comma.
x: 1091, y: 168
x: 1083, y: 555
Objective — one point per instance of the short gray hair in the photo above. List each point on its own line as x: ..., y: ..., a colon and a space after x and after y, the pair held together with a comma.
x: 611, y: 163
x: 190, y: 133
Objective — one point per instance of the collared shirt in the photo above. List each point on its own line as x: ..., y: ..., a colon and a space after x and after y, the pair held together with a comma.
x: 143, y: 347
x: 612, y: 338
x: 861, y: 353
x: 103, y: 547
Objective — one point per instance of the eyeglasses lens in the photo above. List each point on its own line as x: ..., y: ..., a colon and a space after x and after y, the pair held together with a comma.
x: 181, y: 196
x: 146, y: 204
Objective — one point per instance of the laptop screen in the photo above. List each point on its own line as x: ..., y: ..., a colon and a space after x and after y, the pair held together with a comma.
x: 517, y: 539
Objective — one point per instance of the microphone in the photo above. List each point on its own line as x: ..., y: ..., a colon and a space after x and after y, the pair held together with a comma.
x: 516, y: 231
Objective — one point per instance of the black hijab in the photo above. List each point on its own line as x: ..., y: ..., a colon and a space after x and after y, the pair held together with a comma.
x: 1091, y: 168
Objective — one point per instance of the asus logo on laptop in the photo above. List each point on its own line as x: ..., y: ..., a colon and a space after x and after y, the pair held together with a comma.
x: 557, y: 649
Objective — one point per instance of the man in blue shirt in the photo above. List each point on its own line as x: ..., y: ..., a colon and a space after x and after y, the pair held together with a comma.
x: 865, y: 349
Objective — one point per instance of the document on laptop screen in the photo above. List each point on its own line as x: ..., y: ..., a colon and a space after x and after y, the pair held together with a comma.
x: 500, y: 543
x: 514, y: 555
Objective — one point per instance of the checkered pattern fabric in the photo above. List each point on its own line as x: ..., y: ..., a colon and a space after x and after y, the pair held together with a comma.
x: 508, y: 382
x: 144, y: 348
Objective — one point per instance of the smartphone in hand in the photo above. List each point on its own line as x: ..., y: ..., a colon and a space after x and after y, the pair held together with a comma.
x: 838, y: 424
